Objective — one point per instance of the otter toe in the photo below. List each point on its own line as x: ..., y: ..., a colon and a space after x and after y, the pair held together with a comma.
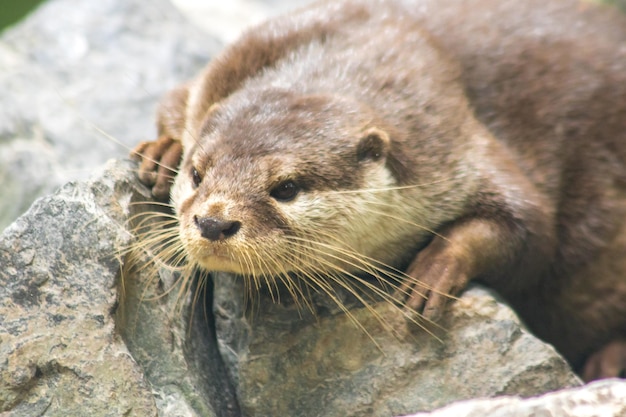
x: 608, y: 362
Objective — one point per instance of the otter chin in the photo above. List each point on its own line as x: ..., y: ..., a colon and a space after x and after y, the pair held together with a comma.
x: 431, y: 143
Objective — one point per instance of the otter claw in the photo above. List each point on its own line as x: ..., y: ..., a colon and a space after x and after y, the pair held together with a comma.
x: 436, y: 278
x: 159, y: 161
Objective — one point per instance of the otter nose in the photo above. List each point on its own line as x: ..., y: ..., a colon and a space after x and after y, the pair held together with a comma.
x: 215, y: 229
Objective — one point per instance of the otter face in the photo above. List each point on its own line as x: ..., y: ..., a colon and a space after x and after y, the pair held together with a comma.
x: 283, y: 183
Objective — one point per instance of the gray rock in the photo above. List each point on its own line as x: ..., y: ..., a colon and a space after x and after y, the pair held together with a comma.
x: 170, y: 332
x: 60, y: 353
x: 66, y: 298
x: 77, y: 77
x: 226, y: 20
x: 603, y: 398
x: 287, y: 361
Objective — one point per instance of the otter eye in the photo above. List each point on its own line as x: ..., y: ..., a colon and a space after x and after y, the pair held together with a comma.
x: 285, y: 191
x: 195, y: 177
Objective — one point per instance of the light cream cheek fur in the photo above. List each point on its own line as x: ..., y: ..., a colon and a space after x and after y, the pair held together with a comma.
x: 350, y: 224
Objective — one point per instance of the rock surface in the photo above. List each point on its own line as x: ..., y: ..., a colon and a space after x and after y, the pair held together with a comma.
x: 60, y: 352
x: 226, y: 20
x: 599, y: 399
x: 78, y: 76
x: 77, y: 334
x: 286, y: 360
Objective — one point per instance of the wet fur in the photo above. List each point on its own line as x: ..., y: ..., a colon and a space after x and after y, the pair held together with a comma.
x: 499, y: 154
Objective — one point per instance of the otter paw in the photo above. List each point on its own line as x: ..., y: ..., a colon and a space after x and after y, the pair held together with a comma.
x: 159, y: 162
x: 608, y: 362
x: 435, y: 276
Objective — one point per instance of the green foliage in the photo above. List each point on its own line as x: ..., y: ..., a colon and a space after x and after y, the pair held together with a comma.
x: 619, y: 3
x: 13, y: 10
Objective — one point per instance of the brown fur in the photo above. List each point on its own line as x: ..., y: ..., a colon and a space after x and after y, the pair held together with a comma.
x: 510, y: 115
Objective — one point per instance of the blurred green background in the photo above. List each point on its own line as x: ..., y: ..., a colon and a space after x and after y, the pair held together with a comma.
x: 619, y: 3
x: 13, y: 10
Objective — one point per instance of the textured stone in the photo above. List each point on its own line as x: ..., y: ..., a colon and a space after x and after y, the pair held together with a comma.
x: 603, y: 398
x: 171, y: 335
x: 287, y: 361
x: 59, y: 351
x: 226, y: 20
x: 78, y: 76
x: 82, y: 331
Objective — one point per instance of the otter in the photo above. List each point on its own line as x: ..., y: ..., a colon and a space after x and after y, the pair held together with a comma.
x: 444, y: 141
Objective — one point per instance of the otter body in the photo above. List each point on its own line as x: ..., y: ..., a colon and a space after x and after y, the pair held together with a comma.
x: 454, y: 140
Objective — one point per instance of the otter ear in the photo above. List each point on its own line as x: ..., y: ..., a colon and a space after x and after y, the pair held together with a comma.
x: 373, y: 145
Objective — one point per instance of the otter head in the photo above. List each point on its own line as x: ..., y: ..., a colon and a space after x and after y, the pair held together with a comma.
x: 279, y: 182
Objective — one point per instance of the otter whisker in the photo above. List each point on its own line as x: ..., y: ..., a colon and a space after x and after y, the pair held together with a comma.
x: 153, y: 223
x: 149, y: 267
x: 142, y: 226
x: 271, y: 286
x: 358, y: 279
x: 335, y: 268
x: 184, y: 284
x: 155, y: 203
x: 278, y: 262
x: 154, y: 247
x: 338, y: 276
x: 103, y: 132
x: 251, y: 265
x: 401, y: 219
x: 378, y: 291
x: 384, y: 296
x: 292, y: 286
x: 145, y: 231
x: 132, y: 150
x: 324, y: 285
x: 281, y: 274
x: 164, y: 248
x: 365, y: 263
x: 253, y: 262
x: 374, y: 267
x: 246, y: 260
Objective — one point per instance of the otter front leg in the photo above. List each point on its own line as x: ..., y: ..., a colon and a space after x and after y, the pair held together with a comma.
x: 461, y: 252
x: 159, y: 162
x: 160, y: 158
